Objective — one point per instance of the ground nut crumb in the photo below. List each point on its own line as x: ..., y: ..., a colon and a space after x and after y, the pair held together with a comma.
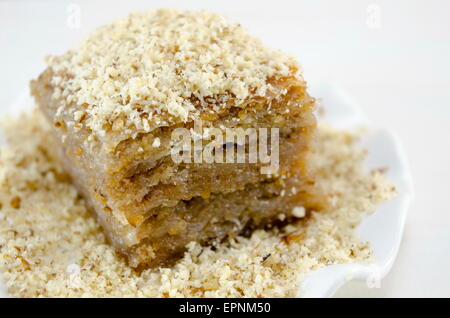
x: 51, y: 246
x: 156, y: 143
x: 162, y: 65
x: 299, y: 212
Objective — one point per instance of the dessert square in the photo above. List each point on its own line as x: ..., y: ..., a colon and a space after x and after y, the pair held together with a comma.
x: 117, y: 100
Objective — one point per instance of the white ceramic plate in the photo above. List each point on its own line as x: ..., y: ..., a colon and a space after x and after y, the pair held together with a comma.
x: 383, y: 229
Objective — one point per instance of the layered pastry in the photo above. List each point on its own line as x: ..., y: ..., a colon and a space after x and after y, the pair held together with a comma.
x: 118, y: 101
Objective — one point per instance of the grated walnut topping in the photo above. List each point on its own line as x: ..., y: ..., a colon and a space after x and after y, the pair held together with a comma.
x: 163, y: 67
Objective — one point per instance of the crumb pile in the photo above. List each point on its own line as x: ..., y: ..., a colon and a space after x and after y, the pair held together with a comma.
x: 164, y: 66
x: 51, y: 246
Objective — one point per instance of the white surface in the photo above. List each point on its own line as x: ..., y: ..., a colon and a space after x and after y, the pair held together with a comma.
x: 397, y: 67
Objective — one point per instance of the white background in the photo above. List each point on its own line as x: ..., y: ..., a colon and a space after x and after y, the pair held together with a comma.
x: 392, y: 56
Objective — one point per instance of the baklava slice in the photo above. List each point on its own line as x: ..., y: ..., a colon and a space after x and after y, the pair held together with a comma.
x: 117, y: 100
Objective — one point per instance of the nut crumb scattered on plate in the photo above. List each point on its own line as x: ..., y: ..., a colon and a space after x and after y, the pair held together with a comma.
x: 51, y: 246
